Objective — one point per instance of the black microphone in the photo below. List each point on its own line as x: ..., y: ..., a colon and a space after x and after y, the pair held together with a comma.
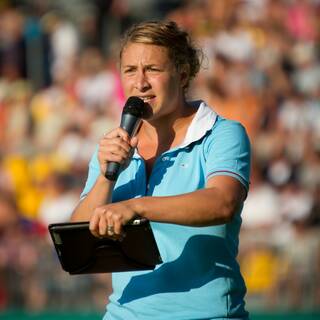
x: 133, y: 113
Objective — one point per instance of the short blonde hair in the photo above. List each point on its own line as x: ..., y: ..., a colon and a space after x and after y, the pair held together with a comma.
x: 169, y: 35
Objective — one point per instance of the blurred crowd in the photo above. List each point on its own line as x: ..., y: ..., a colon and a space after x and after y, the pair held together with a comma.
x: 60, y: 91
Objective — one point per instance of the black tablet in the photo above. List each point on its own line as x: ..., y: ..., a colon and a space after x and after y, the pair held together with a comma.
x: 80, y: 252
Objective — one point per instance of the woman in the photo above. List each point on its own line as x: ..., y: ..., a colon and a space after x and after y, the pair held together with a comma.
x: 189, y: 176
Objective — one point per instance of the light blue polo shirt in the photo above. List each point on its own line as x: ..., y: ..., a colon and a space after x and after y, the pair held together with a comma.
x: 199, y: 277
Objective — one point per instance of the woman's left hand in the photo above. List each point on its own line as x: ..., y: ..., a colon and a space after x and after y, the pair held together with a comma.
x: 109, y: 219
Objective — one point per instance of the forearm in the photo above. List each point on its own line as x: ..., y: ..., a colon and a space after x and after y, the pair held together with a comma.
x: 200, y: 208
x: 99, y: 195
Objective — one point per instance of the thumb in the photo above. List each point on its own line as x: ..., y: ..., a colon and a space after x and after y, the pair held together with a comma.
x: 134, y: 142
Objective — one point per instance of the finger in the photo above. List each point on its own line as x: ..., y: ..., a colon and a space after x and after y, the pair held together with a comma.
x: 110, y: 223
x: 118, y: 237
x: 113, y: 153
x: 117, y: 223
x: 111, y: 142
x: 118, y: 132
x: 102, y: 226
x: 116, y: 158
x: 134, y: 142
x: 117, y: 148
x: 94, y: 222
x: 109, y: 156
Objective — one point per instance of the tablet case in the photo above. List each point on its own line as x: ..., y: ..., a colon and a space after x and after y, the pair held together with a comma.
x: 80, y: 252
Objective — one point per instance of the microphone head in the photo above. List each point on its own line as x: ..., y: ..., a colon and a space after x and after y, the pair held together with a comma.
x: 136, y: 107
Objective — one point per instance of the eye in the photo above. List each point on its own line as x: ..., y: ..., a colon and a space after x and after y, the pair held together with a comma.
x: 128, y: 70
x: 154, y: 69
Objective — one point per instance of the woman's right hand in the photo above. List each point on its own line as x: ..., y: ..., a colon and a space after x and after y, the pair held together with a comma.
x: 115, y: 146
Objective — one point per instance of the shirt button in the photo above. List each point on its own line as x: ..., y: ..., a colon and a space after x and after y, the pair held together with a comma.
x: 165, y: 158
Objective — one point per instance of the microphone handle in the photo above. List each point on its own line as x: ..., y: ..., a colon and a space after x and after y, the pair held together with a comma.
x: 112, y: 171
x: 130, y: 123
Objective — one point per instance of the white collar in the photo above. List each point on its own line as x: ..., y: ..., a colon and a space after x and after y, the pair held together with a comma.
x: 201, y: 123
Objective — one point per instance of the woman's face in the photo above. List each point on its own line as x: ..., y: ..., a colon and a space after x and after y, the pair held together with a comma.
x: 147, y: 72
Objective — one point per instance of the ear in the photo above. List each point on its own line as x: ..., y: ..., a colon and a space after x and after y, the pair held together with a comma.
x: 184, y: 75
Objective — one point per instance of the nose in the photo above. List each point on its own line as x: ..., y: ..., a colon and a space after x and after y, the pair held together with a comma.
x: 141, y: 82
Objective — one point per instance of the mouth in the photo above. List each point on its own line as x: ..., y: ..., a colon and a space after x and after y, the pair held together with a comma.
x: 147, y: 99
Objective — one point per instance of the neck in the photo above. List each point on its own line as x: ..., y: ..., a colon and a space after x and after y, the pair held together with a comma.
x: 162, y: 134
x: 166, y: 128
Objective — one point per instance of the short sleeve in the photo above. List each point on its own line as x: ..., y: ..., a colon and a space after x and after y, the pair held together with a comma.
x: 227, y: 151
x: 93, y: 173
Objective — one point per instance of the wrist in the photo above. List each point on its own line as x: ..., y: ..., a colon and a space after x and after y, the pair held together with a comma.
x: 105, y: 188
x: 138, y: 205
x: 103, y: 180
